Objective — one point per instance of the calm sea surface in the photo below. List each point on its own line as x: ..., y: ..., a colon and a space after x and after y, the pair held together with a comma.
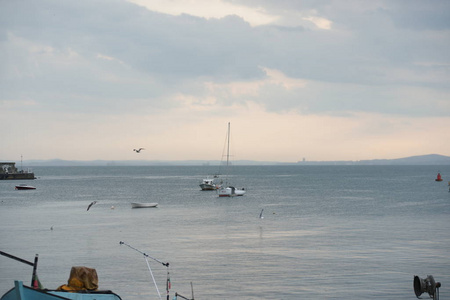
x: 328, y: 232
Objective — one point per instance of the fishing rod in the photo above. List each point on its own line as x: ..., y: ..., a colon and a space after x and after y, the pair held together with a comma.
x: 146, y: 256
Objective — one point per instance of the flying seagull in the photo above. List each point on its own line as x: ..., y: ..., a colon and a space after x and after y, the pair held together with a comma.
x: 261, y: 214
x: 92, y: 203
x: 138, y: 150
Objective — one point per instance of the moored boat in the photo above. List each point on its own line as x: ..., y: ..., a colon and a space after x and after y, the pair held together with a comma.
x: 209, y: 184
x: 227, y: 190
x: 25, y: 187
x: 231, y: 191
x: 143, y: 205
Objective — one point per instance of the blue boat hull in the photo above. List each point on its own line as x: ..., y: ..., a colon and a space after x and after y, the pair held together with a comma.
x: 21, y: 292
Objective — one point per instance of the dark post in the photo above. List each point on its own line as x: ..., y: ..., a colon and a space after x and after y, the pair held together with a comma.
x: 34, y: 282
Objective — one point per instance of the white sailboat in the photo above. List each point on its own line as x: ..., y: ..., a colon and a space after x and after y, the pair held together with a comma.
x: 228, y: 190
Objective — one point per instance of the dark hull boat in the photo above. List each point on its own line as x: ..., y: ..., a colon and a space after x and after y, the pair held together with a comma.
x: 25, y: 187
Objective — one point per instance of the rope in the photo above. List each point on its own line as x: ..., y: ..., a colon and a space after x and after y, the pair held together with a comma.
x: 146, y: 256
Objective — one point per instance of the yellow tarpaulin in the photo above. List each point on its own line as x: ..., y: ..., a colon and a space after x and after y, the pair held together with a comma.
x: 81, y: 278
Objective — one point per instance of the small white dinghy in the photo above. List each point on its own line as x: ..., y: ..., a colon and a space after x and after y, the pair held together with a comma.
x: 143, y: 205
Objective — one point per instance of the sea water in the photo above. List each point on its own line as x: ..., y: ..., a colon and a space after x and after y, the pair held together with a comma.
x: 327, y: 232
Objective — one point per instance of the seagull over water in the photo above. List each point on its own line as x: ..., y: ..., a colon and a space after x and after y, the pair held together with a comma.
x: 138, y: 150
x: 92, y: 203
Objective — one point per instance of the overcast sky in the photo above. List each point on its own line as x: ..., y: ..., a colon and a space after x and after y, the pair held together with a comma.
x: 315, y: 79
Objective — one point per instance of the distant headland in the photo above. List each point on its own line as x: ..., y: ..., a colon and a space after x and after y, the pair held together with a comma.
x: 430, y: 159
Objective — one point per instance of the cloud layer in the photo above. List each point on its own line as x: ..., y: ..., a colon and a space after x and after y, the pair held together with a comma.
x: 138, y: 65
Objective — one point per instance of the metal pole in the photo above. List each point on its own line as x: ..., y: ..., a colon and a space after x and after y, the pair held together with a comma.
x: 34, y: 282
x: 228, y: 146
x: 17, y: 258
x: 34, y: 265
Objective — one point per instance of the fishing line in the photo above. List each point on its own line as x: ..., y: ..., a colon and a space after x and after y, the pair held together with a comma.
x: 146, y: 256
x: 154, y: 281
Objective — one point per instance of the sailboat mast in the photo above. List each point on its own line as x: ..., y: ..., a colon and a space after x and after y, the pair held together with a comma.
x: 228, y: 145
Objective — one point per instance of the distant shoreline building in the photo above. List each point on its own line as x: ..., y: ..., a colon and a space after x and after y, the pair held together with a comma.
x: 8, y: 171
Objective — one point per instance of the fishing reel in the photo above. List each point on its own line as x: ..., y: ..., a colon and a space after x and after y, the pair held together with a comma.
x: 427, y: 285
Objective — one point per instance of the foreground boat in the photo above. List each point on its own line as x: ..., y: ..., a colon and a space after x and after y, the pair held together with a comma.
x: 143, y: 205
x: 82, y: 285
x: 25, y: 187
x: 22, y: 292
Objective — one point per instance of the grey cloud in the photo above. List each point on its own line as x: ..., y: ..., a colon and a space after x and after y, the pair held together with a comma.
x: 420, y: 15
x: 148, y: 41
x: 371, y: 47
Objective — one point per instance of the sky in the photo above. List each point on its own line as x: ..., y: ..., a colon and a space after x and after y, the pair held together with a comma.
x: 319, y: 80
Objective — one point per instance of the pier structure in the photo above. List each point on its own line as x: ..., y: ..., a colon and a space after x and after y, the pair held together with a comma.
x: 8, y: 171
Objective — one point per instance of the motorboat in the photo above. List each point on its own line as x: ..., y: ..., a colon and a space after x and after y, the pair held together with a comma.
x: 209, y: 184
x: 25, y: 187
x: 143, y: 205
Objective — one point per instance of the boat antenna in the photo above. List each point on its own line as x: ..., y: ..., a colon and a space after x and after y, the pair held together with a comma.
x: 146, y: 256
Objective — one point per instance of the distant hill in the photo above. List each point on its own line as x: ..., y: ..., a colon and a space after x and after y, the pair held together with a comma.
x: 430, y: 159
x: 74, y: 163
